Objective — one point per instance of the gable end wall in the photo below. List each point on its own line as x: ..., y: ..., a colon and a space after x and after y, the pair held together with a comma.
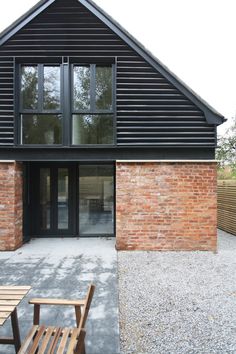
x: 150, y: 110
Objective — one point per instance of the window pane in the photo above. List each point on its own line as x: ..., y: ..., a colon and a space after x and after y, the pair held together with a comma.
x: 96, y: 199
x: 51, y: 87
x: 103, y: 87
x: 63, y: 198
x: 29, y: 87
x: 45, y: 198
x: 81, y: 88
x: 41, y: 129
x: 92, y: 129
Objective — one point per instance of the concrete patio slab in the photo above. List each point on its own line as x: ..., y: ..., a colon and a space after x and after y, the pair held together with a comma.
x: 64, y: 267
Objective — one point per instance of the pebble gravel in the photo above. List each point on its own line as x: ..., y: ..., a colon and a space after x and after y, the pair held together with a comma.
x: 178, y: 302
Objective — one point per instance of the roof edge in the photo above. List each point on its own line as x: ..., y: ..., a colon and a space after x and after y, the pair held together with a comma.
x: 212, y: 116
x: 24, y: 20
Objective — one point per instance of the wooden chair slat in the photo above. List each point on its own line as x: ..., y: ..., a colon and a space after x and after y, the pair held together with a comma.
x: 54, y: 341
x: 38, y: 337
x: 4, y: 314
x: 49, y: 333
x: 9, y: 302
x: 27, y: 340
x: 10, y: 297
x: 63, y: 342
x: 39, y: 301
x: 73, y: 340
x: 13, y: 287
x: 13, y: 292
x: 6, y: 308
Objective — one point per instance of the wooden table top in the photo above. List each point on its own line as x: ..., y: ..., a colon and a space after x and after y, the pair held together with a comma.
x: 10, y: 297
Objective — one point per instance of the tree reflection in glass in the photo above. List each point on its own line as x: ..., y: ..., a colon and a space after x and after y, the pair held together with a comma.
x: 29, y: 87
x: 81, y: 88
x: 41, y: 129
x: 51, y: 88
x: 103, y: 88
x: 92, y: 129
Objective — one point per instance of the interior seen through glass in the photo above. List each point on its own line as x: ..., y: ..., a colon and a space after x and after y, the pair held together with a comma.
x: 76, y: 200
x: 45, y: 198
x: 63, y: 198
x: 96, y: 199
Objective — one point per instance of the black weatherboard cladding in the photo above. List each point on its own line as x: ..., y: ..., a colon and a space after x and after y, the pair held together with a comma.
x: 150, y: 110
x: 6, y: 100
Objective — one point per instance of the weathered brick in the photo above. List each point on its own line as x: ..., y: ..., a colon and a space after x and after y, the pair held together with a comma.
x: 166, y: 206
x: 11, y: 206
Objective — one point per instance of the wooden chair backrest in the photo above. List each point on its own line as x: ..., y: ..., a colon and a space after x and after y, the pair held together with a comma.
x: 86, y: 306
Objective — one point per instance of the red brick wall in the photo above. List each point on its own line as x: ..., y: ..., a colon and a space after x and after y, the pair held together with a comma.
x: 11, y: 206
x: 166, y: 206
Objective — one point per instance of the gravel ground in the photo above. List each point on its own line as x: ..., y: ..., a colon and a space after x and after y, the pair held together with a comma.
x: 179, y: 302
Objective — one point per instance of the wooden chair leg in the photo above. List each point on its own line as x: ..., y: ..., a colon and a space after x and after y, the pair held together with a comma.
x: 15, y: 330
x: 78, y: 315
x: 36, y: 314
x: 80, y: 347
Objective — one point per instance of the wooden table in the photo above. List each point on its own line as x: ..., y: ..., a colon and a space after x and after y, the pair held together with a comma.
x: 10, y: 297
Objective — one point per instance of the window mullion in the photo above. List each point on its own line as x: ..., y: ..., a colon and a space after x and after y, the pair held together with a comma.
x: 93, y: 88
x: 65, y: 103
x: 40, y: 87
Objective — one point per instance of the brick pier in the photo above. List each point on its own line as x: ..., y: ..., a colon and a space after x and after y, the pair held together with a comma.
x: 11, y: 205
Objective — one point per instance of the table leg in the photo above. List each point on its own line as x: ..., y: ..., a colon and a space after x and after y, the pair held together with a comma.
x: 15, y: 330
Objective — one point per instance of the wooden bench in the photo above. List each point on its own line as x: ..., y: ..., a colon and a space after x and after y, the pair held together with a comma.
x: 57, y: 340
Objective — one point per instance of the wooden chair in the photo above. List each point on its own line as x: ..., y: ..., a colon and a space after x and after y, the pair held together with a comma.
x: 57, y: 340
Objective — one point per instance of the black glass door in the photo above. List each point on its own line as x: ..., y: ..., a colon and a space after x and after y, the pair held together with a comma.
x: 72, y: 199
x: 52, y: 201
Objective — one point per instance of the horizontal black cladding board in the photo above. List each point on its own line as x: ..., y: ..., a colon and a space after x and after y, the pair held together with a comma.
x: 149, y: 109
x: 6, y: 101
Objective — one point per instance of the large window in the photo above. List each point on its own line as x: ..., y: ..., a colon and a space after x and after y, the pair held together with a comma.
x: 40, y: 105
x: 52, y: 97
x: 92, y: 121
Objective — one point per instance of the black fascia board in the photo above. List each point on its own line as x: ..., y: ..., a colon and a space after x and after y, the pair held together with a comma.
x: 108, y: 153
x: 211, y: 115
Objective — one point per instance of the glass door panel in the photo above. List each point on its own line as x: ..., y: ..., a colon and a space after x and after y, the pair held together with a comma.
x: 63, y: 198
x: 53, y: 202
x: 45, y: 198
x: 96, y: 200
x: 71, y: 199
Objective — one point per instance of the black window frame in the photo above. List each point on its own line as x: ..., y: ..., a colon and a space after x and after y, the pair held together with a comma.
x: 40, y: 107
x: 93, y: 110
x: 66, y: 101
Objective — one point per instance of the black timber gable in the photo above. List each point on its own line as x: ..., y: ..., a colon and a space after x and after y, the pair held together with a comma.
x: 150, y: 110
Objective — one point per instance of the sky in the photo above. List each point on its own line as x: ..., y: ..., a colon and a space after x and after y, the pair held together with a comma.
x: 194, y: 38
